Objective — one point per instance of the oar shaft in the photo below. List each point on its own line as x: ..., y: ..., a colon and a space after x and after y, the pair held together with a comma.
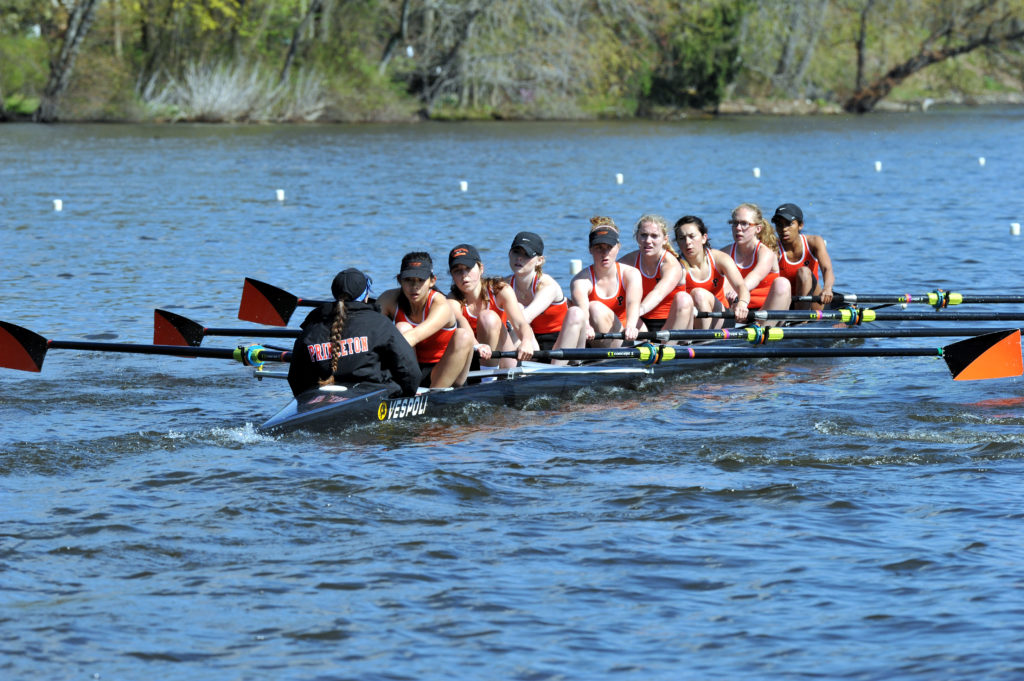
x: 776, y: 333
x: 857, y: 316
x: 940, y: 298
x: 262, y: 355
x: 670, y: 352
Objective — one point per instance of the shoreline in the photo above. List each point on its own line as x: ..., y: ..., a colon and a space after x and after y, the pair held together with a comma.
x: 733, y: 107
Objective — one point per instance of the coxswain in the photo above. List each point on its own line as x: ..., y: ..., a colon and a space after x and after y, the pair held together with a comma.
x: 555, y: 324
x: 487, y: 303
x: 442, y: 339
x: 708, y: 273
x: 803, y: 258
x: 349, y: 341
x: 610, y: 291
x: 754, y: 252
x: 665, y: 303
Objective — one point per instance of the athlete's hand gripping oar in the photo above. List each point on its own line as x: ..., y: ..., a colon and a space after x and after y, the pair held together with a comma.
x: 761, y: 334
x: 25, y: 350
x: 173, y: 329
x: 937, y: 299
x: 993, y: 355
x: 266, y: 304
x: 856, y: 315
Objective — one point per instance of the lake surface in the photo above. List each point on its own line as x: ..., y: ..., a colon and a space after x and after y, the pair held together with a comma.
x: 839, y: 519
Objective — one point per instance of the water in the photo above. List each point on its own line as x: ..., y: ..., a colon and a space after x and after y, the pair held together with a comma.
x: 853, y: 519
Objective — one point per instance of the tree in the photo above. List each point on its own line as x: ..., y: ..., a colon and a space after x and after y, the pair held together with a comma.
x: 950, y: 29
x: 700, y: 57
x: 79, y: 21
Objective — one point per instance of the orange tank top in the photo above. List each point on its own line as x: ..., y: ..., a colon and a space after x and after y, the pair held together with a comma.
x: 661, y: 310
x: 617, y: 302
x: 789, y: 269
x: 715, y: 281
x: 492, y: 304
x: 430, y: 350
x: 550, y: 320
x: 760, y: 292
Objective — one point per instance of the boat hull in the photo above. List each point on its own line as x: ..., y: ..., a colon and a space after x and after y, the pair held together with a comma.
x: 339, y: 407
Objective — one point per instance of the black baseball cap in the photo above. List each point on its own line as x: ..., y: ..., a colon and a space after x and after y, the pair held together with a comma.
x: 463, y: 254
x: 529, y: 242
x: 604, y: 235
x: 350, y: 284
x: 416, y: 265
x: 789, y: 212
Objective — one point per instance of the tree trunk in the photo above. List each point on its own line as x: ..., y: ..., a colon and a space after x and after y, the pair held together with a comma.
x: 79, y: 22
x: 866, y: 97
x: 398, y: 36
x: 314, y: 7
x: 862, y: 38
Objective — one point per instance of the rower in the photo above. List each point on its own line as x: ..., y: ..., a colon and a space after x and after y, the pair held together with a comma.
x: 708, y: 273
x: 754, y: 252
x: 487, y: 303
x: 610, y: 291
x: 665, y: 303
x: 801, y: 256
x: 555, y: 324
x: 349, y: 341
x: 430, y: 323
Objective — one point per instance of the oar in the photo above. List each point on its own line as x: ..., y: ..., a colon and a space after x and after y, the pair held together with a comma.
x: 266, y: 304
x: 937, y: 299
x: 854, y: 315
x: 993, y: 355
x: 25, y: 350
x: 762, y: 334
x: 173, y: 329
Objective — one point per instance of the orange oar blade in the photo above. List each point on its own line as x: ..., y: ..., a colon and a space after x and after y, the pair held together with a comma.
x: 993, y: 355
x: 21, y: 349
x: 266, y: 304
x: 173, y: 329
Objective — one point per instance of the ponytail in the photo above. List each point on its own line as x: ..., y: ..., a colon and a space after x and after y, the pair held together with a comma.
x: 337, y: 327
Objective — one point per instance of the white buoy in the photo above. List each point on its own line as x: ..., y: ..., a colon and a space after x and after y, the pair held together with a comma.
x: 757, y: 172
x: 575, y: 265
x: 981, y: 161
x: 58, y: 205
x: 618, y: 178
x: 280, y: 195
x: 464, y: 186
x: 878, y: 166
x: 1015, y: 228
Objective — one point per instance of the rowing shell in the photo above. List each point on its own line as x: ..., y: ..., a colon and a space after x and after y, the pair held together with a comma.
x: 338, y: 407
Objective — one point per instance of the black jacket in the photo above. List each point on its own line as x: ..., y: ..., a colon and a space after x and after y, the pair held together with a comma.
x: 372, y: 350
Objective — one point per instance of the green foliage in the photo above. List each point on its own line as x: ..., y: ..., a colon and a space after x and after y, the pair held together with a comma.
x: 699, y: 56
x: 22, y: 65
x: 21, y: 105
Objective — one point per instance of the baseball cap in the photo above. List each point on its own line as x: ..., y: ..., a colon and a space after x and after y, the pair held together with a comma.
x: 463, y: 254
x: 529, y: 242
x: 604, y: 235
x: 350, y: 284
x: 416, y: 265
x: 789, y: 212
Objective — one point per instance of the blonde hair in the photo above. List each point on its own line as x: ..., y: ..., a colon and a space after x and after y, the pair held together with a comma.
x: 765, y: 233
x: 599, y: 221
x: 661, y: 224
